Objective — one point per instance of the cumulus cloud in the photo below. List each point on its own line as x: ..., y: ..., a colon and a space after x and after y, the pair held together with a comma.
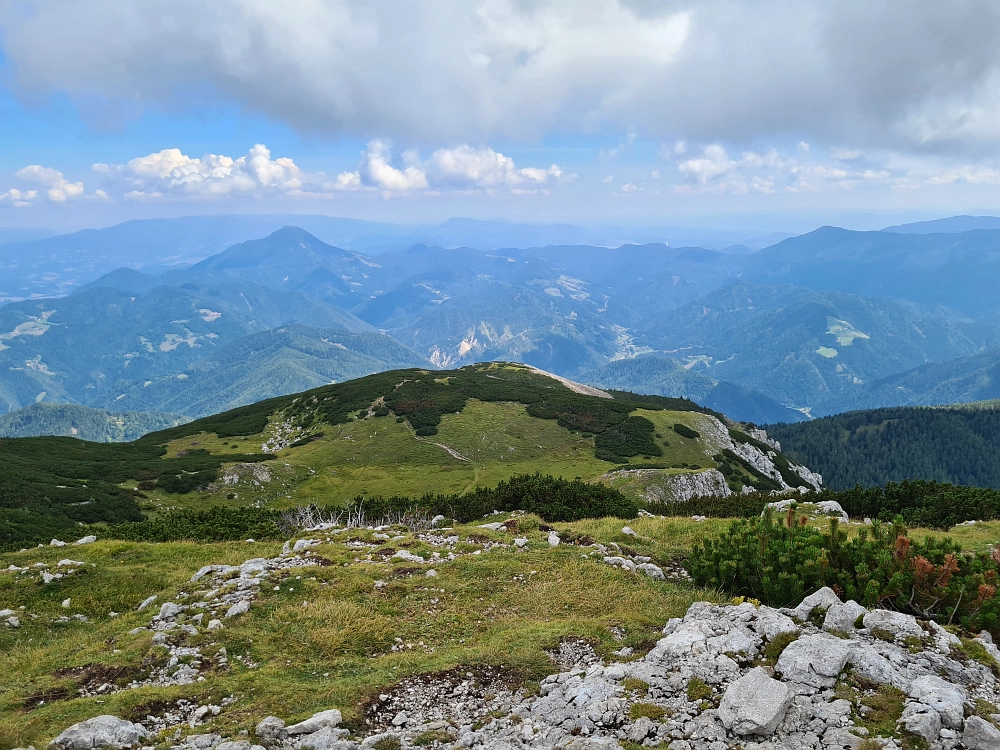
x: 18, y: 198
x: 59, y: 189
x: 804, y: 169
x: 463, y: 167
x: 915, y: 76
x: 170, y: 172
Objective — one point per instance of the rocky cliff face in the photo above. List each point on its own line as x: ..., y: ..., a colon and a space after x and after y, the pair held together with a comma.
x: 659, y: 486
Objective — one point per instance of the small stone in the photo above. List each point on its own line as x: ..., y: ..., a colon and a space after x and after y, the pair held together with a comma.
x: 66, y: 603
x: 521, y: 542
x: 944, y: 697
x: 89, y: 539
x: 842, y: 617
x: 814, y: 660
x: 438, y: 520
x: 431, y: 573
x: 145, y: 603
x: 13, y: 622
x: 240, y: 608
x: 823, y: 599
x: 214, y: 625
x: 921, y: 720
x: 641, y: 729
x: 57, y: 543
x: 202, y: 741
x: 169, y: 610
x: 653, y: 571
x: 896, y: 623
x: 627, y: 531
x: 408, y: 556
x: 400, y: 719
x: 755, y: 703
x: 329, y: 718
x: 554, y: 539
x: 271, y: 731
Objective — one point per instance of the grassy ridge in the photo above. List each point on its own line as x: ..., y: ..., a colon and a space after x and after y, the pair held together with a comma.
x: 449, y: 432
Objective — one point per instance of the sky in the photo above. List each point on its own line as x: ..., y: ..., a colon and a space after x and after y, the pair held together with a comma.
x: 761, y: 113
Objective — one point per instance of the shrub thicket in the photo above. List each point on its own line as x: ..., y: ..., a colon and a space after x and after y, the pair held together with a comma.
x: 633, y: 436
x: 554, y: 499
x: 219, y: 524
x: 780, y: 560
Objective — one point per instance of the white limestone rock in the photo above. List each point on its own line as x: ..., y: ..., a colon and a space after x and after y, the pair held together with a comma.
x: 920, y: 720
x: 814, y: 660
x: 755, y: 704
x: 101, y: 731
x: 896, y: 623
x: 980, y: 734
x: 822, y: 599
x: 329, y: 718
x: 944, y: 697
x: 842, y: 617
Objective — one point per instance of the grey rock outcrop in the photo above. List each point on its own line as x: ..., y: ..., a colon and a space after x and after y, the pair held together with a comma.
x: 101, y: 731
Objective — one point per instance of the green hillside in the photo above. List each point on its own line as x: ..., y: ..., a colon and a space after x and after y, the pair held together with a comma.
x: 398, y: 433
x: 93, y: 425
x: 955, y: 444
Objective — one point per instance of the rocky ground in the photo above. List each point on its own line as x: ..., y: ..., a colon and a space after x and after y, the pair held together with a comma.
x: 827, y: 674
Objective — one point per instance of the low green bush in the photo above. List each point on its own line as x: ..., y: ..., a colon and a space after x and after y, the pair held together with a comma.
x: 213, y: 525
x: 779, y: 561
x: 684, y: 431
x: 552, y: 498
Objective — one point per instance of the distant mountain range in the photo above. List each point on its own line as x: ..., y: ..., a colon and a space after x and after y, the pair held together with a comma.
x: 662, y: 376
x: 34, y: 262
x: 815, y: 324
x: 186, y: 350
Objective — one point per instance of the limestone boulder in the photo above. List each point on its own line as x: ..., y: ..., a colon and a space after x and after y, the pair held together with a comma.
x: 755, y: 704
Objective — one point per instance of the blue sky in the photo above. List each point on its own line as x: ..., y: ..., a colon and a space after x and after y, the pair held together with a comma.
x: 718, y: 111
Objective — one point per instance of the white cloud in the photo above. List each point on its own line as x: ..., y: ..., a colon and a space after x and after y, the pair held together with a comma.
x: 720, y: 70
x: 170, y: 172
x: 802, y: 169
x: 59, y: 189
x: 460, y: 168
x: 18, y: 198
x: 609, y: 178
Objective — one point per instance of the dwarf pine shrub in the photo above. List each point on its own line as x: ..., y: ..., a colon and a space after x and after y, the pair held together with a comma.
x: 780, y: 559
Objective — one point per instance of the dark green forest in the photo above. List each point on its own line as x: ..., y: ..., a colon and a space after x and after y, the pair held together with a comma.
x: 959, y: 445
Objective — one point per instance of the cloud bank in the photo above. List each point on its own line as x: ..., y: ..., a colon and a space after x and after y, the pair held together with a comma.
x: 916, y: 76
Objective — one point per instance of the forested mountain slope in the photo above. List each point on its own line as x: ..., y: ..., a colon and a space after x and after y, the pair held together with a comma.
x: 955, y: 444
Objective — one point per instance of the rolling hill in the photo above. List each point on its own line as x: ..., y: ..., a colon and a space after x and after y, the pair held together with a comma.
x: 403, y: 432
x: 954, y: 444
